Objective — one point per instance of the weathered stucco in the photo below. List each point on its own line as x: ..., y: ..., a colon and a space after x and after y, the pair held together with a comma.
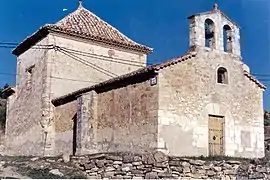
x: 79, y: 63
x: 189, y: 93
x: 55, y: 74
x: 23, y: 127
x: 65, y: 122
x: 125, y: 119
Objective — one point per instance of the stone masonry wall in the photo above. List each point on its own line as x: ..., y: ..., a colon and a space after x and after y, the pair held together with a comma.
x: 190, y: 93
x: 56, y: 74
x: 159, y: 166
x: 65, y: 119
x: 24, y: 132
x: 127, y: 118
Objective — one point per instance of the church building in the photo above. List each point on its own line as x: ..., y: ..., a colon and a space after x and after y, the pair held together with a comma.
x: 203, y: 103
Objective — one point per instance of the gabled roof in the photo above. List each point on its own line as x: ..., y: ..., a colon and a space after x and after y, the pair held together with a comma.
x: 138, y: 75
x: 256, y: 81
x: 134, y: 75
x: 84, y: 24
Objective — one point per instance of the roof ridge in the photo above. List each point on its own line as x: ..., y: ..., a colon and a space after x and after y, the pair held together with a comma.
x: 82, y: 8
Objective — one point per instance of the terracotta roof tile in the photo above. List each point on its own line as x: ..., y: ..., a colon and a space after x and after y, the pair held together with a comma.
x: 256, y: 81
x: 85, y: 24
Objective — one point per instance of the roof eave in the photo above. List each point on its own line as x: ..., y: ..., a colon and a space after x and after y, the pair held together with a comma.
x: 73, y: 95
x: 31, y: 41
x: 138, y: 48
x: 8, y: 91
x: 140, y: 72
x: 255, y: 80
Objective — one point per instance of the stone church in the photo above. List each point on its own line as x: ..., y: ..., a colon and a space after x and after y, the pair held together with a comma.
x: 83, y: 87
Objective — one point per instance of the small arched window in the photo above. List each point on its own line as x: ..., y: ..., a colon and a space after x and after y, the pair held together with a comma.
x: 222, y: 75
x: 209, y: 33
x: 227, y: 38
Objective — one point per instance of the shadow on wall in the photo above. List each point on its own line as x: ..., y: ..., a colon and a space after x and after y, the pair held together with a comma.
x: 267, y: 133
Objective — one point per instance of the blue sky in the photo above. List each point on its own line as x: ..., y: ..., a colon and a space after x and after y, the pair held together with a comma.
x: 161, y: 24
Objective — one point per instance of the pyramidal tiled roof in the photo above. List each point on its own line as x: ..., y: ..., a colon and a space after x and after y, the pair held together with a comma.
x: 85, y: 24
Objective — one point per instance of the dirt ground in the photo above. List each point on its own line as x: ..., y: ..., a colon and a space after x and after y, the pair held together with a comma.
x: 38, y: 168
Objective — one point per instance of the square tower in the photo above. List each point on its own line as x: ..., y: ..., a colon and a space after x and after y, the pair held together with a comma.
x: 216, y: 31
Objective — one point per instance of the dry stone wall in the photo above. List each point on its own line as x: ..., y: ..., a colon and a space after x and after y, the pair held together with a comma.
x: 159, y: 166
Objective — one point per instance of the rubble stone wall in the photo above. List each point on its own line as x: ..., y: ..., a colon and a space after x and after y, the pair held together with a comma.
x: 157, y: 165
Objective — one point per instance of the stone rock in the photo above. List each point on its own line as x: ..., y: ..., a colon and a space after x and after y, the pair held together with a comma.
x: 227, y: 166
x: 56, y: 172
x: 244, y: 167
x: 116, y: 166
x: 174, y: 163
x: 186, y: 169
x: 127, y: 177
x: 137, y: 158
x: 196, y: 176
x: 118, y: 162
x: 158, y: 170
x: 217, y: 169
x: 138, y: 177
x: 151, y: 175
x: 136, y: 171
x: 176, y: 172
x: 97, y: 156
x: 88, y: 166
x: 137, y: 163
x: 92, y: 173
x: 66, y: 158
x: 233, y: 162
x: 161, y: 164
x: 50, y: 160
x: 128, y: 158
x: 109, y: 174
x: 108, y: 169
x: 261, y: 169
x: 91, y: 177
x: 120, y: 173
x: 211, y: 173
x: 184, y: 159
x: 114, y: 158
x: 148, y: 159
x: 34, y: 159
x: 185, y: 164
x: 141, y: 167
x: 160, y: 157
x: 117, y: 177
x: 197, y: 162
x: 165, y: 175
x: 256, y: 176
x: 177, y: 168
x: 95, y: 169
x: 127, y: 168
x: 100, y: 163
x: 201, y: 171
x: 229, y: 172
